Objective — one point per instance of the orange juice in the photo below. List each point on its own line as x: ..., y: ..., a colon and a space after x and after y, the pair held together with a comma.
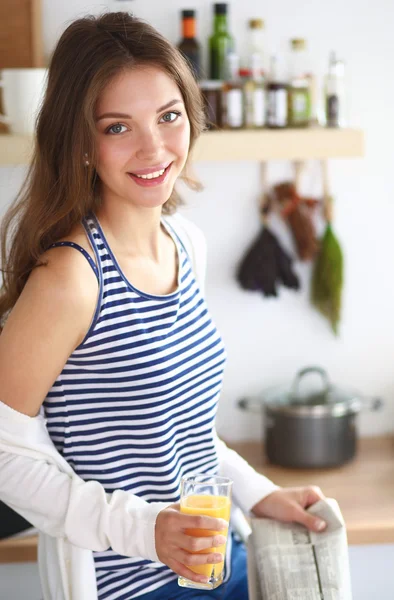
x: 212, y: 506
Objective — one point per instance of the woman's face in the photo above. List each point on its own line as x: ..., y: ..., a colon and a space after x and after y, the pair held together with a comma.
x: 143, y: 136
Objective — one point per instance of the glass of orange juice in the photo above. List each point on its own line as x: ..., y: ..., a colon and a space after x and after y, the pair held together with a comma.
x: 206, y: 495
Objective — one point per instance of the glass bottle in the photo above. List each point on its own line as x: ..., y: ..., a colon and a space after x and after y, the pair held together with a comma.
x: 256, y: 41
x: 233, y: 107
x: 277, y: 106
x: 189, y: 45
x: 335, y: 93
x: 221, y: 43
x: 299, y: 101
x: 254, y: 94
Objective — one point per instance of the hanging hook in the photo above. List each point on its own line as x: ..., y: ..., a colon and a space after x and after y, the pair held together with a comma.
x: 265, y: 202
x: 298, y: 170
x: 327, y: 199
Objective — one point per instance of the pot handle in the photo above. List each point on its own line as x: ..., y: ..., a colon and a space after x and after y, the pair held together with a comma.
x: 306, y: 371
x: 372, y: 404
x: 247, y: 404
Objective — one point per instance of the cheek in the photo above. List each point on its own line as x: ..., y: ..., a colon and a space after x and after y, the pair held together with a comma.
x: 111, y: 152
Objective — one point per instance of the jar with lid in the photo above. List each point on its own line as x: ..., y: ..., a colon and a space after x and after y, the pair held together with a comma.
x: 212, y: 95
x: 299, y: 100
x: 277, y: 101
x: 233, y: 101
x: 335, y: 93
x: 254, y: 94
x: 256, y: 42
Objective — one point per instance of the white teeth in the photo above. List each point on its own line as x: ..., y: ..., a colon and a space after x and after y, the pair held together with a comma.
x: 151, y: 175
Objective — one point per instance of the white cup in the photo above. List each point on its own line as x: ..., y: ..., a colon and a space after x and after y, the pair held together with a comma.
x: 22, y: 93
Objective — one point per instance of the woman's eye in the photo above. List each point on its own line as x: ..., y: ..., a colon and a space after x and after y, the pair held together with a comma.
x: 117, y: 128
x: 170, y: 117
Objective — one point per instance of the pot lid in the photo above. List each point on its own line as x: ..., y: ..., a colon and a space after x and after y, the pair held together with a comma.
x: 308, y: 396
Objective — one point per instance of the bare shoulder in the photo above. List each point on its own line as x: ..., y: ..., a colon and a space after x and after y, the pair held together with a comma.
x: 49, y: 320
x: 66, y: 272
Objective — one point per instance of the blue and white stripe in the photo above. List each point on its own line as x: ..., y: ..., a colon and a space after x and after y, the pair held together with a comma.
x: 134, y: 406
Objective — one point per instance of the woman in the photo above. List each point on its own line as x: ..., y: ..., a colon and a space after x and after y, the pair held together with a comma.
x: 107, y: 335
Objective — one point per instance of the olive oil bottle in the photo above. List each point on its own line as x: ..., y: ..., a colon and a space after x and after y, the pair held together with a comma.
x: 221, y: 42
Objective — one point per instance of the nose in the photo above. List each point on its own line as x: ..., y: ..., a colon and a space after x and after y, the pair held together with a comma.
x: 150, y: 144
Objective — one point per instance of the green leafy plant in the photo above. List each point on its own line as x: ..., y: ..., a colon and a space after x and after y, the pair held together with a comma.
x: 327, y: 278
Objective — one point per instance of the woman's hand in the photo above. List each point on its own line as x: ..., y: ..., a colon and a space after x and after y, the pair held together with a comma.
x: 175, y: 548
x: 289, y: 504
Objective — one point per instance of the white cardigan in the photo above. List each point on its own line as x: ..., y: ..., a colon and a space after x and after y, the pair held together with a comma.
x: 76, y: 517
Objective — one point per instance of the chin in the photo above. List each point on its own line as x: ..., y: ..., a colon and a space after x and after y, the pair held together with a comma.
x: 153, y: 201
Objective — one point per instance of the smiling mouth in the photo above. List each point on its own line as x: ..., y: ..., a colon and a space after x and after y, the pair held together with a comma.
x: 150, y: 176
x: 151, y: 179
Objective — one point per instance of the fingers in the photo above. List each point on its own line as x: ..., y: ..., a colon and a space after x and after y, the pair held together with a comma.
x: 192, y: 565
x: 194, y: 560
x: 194, y: 551
x: 184, y: 571
x: 176, y: 520
x: 180, y: 545
x: 311, y: 522
x: 197, y: 544
x: 312, y: 494
x: 203, y: 522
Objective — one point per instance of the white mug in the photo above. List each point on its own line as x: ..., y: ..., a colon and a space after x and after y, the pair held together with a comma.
x: 22, y: 93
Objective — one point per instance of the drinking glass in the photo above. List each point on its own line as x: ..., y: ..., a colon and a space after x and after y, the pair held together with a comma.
x: 206, y: 495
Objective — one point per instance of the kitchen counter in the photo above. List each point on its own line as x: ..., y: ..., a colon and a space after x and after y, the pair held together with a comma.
x: 364, y: 489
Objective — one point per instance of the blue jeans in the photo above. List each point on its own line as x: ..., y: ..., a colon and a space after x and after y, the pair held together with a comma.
x: 236, y: 588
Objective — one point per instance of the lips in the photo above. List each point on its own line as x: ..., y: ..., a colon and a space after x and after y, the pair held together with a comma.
x: 150, y: 170
x: 151, y: 182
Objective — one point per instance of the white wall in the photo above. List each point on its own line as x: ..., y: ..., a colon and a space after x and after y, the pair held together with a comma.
x: 268, y: 340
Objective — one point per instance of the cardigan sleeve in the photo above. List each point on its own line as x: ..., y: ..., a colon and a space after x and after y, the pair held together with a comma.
x: 38, y: 484
x: 249, y: 486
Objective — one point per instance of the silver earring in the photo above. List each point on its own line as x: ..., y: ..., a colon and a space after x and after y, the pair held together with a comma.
x: 87, y: 163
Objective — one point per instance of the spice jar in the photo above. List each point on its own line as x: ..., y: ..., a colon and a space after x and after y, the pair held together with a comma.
x: 277, y: 98
x: 233, y: 100
x: 212, y: 95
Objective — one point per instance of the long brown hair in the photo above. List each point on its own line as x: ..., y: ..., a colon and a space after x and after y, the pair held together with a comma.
x: 59, y: 189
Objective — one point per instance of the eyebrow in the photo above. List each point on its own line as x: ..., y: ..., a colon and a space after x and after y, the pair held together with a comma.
x: 116, y: 115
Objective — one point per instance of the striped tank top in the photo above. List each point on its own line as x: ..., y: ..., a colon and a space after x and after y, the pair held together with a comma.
x: 134, y: 405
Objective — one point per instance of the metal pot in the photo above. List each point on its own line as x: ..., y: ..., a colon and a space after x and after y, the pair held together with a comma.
x: 313, y: 428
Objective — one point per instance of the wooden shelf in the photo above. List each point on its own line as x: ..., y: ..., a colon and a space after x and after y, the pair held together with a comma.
x: 287, y: 144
